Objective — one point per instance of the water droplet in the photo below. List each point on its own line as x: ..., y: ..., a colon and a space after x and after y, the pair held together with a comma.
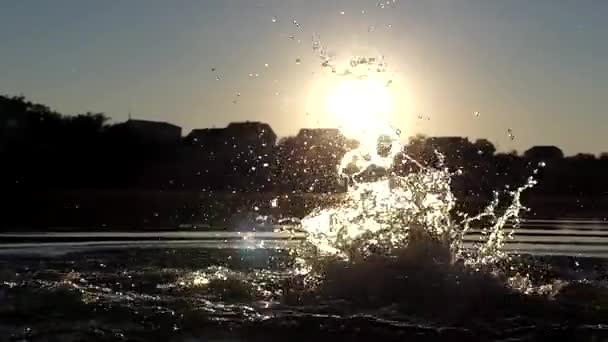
x: 265, y: 165
x: 266, y: 65
x: 510, y: 134
x: 298, y: 61
x: 295, y: 22
x: 250, y: 75
x: 390, y: 26
x: 371, y: 29
x: 274, y: 202
x: 341, y: 12
x: 274, y: 19
x: 217, y: 78
x: 212, y: 69
x: 476, y: 114
x: 362, y: 11
x: 542, y: 164
x: 238, y: 93
x: 291, y: 36
x: 256, y: 208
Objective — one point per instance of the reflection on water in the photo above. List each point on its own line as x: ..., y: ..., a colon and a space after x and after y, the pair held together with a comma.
x: 188, y: 286
x: 159, y: 294
x: 578, y: 238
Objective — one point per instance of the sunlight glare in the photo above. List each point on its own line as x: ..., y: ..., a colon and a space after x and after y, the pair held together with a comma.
x: 359, y: 105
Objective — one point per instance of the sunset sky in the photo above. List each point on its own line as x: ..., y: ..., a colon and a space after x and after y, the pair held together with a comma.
x: 537, y: 67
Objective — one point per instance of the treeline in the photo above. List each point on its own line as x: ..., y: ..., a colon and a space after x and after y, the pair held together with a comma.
x: 42, y: 150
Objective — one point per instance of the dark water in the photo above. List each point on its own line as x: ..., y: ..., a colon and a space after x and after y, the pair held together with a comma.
x: 249, y: 294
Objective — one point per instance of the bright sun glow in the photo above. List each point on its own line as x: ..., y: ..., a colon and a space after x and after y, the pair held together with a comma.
x: 359, y: 105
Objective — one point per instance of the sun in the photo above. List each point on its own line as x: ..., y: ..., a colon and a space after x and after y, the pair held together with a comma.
x: 359, y: 105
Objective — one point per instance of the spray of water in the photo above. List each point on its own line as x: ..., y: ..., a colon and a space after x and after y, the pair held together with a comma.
x: 383, y: 211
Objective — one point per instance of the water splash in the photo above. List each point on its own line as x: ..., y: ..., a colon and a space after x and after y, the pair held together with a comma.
x: 510, y: 134
x: 384, y: 211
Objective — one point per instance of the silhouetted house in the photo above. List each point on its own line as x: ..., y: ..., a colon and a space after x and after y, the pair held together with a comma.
x: 320, y: 136
x: 237, y: 157
x: 248, y: 153
x: 544, y: 153
x: 251, y: 132
x: 236, y: 133
x: 477, y: 160
x: 205, y: 137
x: 154, y: 131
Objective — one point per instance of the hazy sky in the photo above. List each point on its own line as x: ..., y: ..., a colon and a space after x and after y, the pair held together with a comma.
x: 538, y: 67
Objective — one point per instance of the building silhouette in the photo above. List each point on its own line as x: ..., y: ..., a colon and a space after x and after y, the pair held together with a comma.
x: 153, y: 131
x: 204, y: 136
x: 237, y: 157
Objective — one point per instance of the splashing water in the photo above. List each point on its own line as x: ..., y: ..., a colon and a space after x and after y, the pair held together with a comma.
x: 383, y: 211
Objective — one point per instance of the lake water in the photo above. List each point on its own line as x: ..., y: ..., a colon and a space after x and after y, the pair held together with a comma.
x: 231, y: 286
x: 567, y: 237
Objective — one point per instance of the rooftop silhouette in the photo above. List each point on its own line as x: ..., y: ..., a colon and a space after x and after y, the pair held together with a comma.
x: 46, y: 152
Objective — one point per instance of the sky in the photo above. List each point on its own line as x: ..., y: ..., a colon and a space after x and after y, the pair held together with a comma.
x: 538, y: 68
